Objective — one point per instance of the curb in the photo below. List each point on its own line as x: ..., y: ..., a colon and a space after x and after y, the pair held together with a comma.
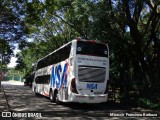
x: 3, y: 102
x: 4, y: 110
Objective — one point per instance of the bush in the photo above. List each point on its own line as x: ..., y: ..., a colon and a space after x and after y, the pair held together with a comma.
x: 147, y: 103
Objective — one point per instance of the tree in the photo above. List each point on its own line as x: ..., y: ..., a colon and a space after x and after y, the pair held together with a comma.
x: 11, y: 25
x: 12, y: 28
x: 128, y: 26
x: 143, y: 32
x: 5, y: 52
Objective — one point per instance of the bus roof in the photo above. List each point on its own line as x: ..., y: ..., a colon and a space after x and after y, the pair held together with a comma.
x: 78, y: 39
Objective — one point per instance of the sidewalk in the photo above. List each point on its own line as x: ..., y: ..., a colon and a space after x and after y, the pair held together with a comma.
x: 3, y: 104
x: 4, y: 83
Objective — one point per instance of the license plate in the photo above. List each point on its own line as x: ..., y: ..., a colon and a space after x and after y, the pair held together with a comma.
x: 91, y: 98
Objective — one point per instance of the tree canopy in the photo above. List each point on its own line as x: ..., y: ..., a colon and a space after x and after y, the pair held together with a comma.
x: 130, y: 27
x: 12, y: 29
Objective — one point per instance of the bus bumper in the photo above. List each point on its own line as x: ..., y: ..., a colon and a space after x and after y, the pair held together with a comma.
x: 88, y: 99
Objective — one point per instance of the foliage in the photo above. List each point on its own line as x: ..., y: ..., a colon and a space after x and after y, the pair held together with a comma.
x: 11, y: 24
x: 144, y: 102
x: 129, y: 27
x: 5, y: 52
x: 12, y: 29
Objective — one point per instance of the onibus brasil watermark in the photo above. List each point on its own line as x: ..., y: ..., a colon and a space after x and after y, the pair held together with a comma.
x: 19, y: 114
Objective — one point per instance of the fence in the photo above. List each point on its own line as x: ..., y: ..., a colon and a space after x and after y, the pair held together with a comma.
x: 13, y: 77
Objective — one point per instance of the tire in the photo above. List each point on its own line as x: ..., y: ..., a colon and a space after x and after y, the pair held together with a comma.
x: 51, y: 96
x: 35, y: 92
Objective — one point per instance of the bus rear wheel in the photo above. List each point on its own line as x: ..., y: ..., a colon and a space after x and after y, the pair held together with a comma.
x: 51, y: 96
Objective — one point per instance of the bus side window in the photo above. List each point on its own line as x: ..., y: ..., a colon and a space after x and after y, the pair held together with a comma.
x: 47, y: 81
x: 65, y: 52
x: 36, y: 80
x: 40, y: 79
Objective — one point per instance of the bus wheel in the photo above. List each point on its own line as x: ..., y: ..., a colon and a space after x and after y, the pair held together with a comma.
x: 51, y: 96
x: 35, y: 92
x: 58, y: 102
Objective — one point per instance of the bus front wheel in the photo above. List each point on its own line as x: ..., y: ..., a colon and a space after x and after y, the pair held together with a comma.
x: 35, y: 92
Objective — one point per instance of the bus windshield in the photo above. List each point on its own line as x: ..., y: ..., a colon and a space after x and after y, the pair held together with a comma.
x: 91, y: 48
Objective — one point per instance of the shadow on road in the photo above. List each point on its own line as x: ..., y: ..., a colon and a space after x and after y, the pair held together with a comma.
x: 22, y: 99
x: 100, y: 106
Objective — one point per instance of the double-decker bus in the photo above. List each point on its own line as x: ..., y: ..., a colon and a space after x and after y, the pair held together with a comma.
x: 76, y: 72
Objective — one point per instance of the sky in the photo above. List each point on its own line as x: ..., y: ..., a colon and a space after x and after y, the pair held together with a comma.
x: 12, y: 62
x: 13, y: 59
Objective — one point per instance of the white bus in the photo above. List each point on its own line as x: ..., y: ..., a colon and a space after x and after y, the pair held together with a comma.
x: 76, y: 72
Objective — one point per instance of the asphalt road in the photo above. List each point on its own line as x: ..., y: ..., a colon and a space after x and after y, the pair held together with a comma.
x: 24, y: 104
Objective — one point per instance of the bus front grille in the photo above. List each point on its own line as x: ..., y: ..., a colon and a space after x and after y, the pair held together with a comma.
x: 91, y: 74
